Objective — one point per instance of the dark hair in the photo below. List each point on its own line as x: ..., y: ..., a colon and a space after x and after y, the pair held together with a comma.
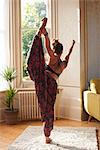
x: 58, y: 47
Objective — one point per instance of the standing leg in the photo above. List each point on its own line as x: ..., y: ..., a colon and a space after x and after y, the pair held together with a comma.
x: 48, y: 124
x: 50, y: 96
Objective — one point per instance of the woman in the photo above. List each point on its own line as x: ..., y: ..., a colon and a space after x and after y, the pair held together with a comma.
x: 45, y: 76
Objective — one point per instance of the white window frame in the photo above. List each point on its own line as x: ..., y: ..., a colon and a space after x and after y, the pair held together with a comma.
x: 15, y: 38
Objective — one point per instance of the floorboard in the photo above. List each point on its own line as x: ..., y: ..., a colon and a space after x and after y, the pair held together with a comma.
x: 9, y: 132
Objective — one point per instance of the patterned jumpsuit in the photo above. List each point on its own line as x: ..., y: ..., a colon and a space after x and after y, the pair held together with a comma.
x: 46, y: 86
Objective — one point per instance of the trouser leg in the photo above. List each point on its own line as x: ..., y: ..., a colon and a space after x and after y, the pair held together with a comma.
x: 49, y: 120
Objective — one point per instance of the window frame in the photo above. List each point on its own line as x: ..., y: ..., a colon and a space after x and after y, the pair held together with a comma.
x: 16, y: 38
x: 29, y: 29
x: 28, y: 83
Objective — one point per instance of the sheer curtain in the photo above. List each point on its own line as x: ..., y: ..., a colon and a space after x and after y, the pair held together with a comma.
x: 15, y: 39
x: 4, y: 40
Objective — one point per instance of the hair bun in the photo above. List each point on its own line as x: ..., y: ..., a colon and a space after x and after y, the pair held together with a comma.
x: 57, y: 47
x: 55, y: 42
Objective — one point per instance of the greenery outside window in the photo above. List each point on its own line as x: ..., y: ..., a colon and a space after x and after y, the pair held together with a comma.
x: 32, y: 12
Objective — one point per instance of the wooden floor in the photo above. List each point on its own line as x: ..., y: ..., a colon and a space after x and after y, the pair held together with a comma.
x: 9, y: 132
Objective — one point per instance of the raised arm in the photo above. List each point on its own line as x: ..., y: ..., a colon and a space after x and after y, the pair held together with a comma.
x: 47, y: 43
x: 70, y: 51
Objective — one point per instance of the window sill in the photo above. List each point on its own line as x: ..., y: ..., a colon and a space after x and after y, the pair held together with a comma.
x: 28, y: 84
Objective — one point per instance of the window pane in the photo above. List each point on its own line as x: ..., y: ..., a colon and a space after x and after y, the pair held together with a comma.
x: 32, y: 13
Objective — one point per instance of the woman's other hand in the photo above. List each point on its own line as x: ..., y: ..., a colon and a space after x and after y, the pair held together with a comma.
x: 73, y: 42
x: 44, y: 31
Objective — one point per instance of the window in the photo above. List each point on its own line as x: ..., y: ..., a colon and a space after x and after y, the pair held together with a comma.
x: 32, y: 12
x: 4, y: 39
x: 20, y: 21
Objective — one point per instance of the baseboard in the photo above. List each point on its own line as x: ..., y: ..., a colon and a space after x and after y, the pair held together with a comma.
x: 72, y: 113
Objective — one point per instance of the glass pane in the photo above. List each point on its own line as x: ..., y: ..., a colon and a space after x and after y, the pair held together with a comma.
x: 27, y: 36
x: 32, y: 13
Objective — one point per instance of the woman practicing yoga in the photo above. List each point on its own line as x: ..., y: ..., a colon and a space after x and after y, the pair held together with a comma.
x: 45, y: 76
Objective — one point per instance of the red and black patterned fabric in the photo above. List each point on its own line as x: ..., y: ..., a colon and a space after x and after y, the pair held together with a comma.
x: 46, y: 86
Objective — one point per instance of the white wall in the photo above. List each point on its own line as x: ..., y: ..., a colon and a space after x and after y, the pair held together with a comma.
x: 4, y: 40
x: 69, y: 82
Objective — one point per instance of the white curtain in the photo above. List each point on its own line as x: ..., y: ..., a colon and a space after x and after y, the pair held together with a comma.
x: 15, y: 39
x: 4, y: 40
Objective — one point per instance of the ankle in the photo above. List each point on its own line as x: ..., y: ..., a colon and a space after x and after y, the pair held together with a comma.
x: 48, y: 140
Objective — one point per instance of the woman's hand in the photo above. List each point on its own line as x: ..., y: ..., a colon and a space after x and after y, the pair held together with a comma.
x: 44, y: 31
x: 73, y: 42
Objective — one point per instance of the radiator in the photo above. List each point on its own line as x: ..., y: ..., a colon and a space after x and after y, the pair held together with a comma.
x: 28, y: 105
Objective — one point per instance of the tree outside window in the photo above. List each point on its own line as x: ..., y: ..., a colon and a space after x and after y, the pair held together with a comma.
x: 32, y: 13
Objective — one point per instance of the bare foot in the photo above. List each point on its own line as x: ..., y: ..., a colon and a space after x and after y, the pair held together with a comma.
x: 44, y: 22
x: 48, y: 140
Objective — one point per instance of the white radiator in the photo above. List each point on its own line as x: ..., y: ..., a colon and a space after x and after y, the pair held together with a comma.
x: 28, y: 105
